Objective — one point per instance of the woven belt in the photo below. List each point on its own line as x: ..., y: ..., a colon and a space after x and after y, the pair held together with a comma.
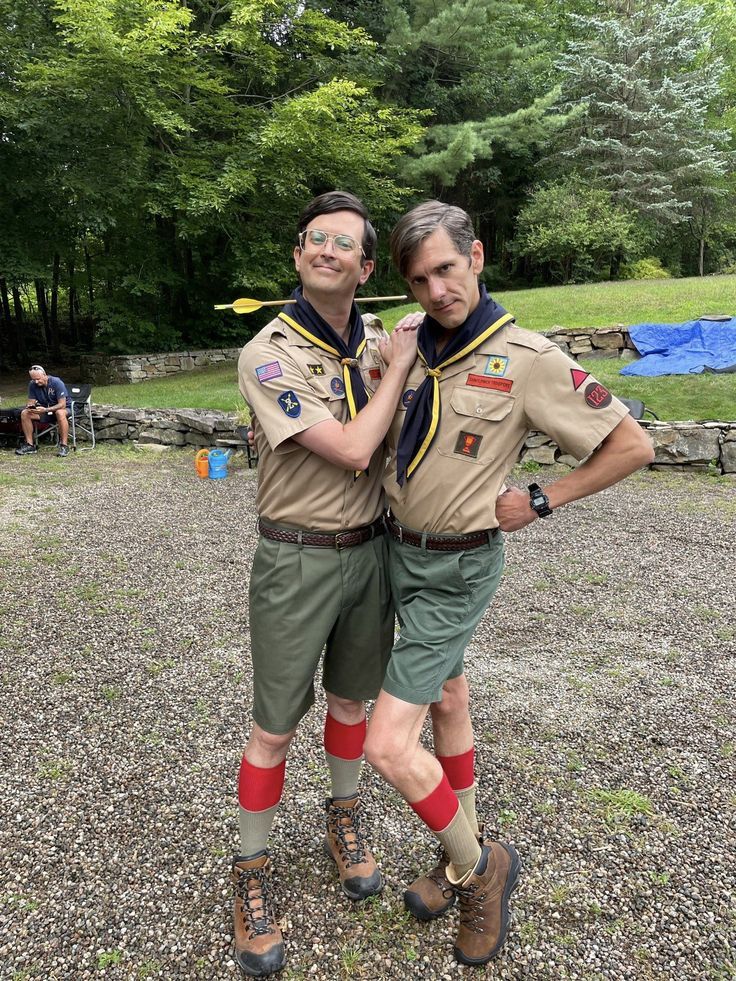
x: 437, y: 543
x: 320, y: 539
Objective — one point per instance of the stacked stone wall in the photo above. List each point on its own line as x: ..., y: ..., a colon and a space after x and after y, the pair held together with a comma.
x: 678, y: 445
x: 124, y: 369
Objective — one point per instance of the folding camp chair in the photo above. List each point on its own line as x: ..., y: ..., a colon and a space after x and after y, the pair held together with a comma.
x: 79, y: 414
x: 637, y: 408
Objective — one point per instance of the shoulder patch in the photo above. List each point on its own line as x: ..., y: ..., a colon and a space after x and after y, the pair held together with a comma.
x: 290, y: 403
x: 597, y: 396
x: 337, y: 385
x: 265, y: 372
x: 316, y: 369
x: 578, y: 377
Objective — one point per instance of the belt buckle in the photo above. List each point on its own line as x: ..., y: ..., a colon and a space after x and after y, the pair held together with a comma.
x: 338, y: 540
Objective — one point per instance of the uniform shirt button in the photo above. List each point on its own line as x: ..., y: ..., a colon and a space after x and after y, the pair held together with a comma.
x: 479, y: 410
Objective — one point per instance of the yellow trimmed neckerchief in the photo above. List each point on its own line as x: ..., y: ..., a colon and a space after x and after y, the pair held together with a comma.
x: 346, y: 362
x: 423, y: 412
x: 307, y: 322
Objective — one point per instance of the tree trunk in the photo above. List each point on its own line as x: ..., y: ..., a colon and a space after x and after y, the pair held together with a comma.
x: 54, y: 318
x: 5, y: 301
x: 73, y: 335
x: 43, y: 310
x: 17, y: 305
x: 701, y: 255
x: 88, y: 268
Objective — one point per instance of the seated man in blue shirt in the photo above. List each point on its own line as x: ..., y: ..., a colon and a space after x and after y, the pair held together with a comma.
x: 47, y: 397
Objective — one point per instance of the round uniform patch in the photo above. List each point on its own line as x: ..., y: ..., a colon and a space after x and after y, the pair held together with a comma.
x: 597, y: 396
x: 407, y: 397
x: 337, y: 385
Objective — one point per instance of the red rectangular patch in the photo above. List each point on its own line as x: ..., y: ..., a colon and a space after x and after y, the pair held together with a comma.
x: 483, y: 381
x: 374, y: 373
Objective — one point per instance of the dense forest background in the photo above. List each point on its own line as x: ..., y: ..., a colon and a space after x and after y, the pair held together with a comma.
x: 155, y: 154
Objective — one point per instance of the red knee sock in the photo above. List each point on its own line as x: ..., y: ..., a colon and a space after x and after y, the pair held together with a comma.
x: 260, y: 787
x: 460, y: 769
x: 344, y: 741
x: 439, y: 808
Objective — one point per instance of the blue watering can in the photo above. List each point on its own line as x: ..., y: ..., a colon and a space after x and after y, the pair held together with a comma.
x: 218, y: 460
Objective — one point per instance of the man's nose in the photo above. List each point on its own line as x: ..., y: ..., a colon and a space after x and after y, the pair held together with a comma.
x: 436, y: 288
x: 328, y: 246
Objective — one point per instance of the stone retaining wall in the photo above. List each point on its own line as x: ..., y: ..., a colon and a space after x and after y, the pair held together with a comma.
x: 98, y: 369
x: 678, y: 445
x: 594, y: 342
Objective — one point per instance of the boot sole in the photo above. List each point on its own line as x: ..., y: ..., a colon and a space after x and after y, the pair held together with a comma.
x: 355, y: 896
x: 421, y: 912
x: 511, y: 883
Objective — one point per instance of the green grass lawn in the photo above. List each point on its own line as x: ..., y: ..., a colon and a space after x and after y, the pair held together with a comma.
x: 607, y: 304
x: 700, y: 397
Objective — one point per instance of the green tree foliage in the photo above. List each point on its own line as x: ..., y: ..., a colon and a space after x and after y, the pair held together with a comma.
x: 574, y: 230
x: 638, y: 74
x: 158, y: 153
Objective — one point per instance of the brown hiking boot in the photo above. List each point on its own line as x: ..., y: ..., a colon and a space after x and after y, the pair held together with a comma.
x: 433, y: 894
x: 484, y: 904
x: 344, y: 844
x: 259, y: 946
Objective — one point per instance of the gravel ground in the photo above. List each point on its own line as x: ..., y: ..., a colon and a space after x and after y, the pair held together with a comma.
x: 603, y: 682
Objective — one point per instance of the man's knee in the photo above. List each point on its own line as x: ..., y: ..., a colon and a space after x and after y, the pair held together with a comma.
x: 267, y: 748
x: 455, y: 699
x: 345, y: 710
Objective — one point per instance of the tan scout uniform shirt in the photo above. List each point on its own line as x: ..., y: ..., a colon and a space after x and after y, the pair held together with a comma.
x: 515, y: 383
x: 290, y: 386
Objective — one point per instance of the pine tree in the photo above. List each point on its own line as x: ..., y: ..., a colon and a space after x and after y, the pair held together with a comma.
x: 643, y: 89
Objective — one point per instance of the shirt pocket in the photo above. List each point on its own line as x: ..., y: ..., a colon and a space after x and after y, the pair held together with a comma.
x: 470, y: 428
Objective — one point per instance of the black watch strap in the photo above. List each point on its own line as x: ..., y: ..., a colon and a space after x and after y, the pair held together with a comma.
x: 538, y: 501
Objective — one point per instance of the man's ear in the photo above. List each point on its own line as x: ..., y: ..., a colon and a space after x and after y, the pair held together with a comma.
x: 297, y: 257
x: 477, y: 257
x: 365, y: 270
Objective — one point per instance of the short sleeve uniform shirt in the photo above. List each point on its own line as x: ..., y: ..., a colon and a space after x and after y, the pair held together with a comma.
x: 290, y: 386
x: 517, y: 382
x: 49, y: 394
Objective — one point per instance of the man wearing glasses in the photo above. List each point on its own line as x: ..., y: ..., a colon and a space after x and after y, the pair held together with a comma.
x: 47, y: 397
x: 318, y: 582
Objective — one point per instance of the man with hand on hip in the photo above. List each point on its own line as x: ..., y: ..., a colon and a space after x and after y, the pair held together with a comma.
x: 323, y: 398
x: 478, y: 387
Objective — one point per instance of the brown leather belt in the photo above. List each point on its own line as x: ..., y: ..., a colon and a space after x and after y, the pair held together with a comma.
x: 437, y: 543
x: 323, y: 539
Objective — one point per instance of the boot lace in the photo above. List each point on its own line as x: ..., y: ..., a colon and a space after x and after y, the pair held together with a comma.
x: 253, y: 889
x: 438, y: 874
x: 345, y: 826
x: 470, y: 900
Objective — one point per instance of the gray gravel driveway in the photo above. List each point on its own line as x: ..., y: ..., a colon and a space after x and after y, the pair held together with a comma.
x: 603, y: 682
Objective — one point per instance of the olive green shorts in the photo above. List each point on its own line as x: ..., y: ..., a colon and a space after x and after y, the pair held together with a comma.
x: 304, y: 601
x: 439, y: 599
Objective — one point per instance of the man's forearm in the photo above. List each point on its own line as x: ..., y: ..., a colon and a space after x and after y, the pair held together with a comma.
x: 626, y: 449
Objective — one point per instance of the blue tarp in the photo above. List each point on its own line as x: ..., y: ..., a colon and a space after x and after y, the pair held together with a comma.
x: 683, y: 349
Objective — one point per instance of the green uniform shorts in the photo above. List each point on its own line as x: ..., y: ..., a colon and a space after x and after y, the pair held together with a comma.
x: 304, y: 600
x: 439, y: 599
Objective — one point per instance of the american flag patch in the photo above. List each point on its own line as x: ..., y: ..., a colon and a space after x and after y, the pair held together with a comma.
x: 266, y: 372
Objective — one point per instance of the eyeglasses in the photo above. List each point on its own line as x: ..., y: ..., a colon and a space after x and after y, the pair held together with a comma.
x: 314, y: 238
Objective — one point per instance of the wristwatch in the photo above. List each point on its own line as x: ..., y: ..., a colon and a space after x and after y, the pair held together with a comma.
x: 538, y: 501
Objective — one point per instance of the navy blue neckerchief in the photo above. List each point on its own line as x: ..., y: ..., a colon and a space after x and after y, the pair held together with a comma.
x: 306, y: 321
x: 423, y: 412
